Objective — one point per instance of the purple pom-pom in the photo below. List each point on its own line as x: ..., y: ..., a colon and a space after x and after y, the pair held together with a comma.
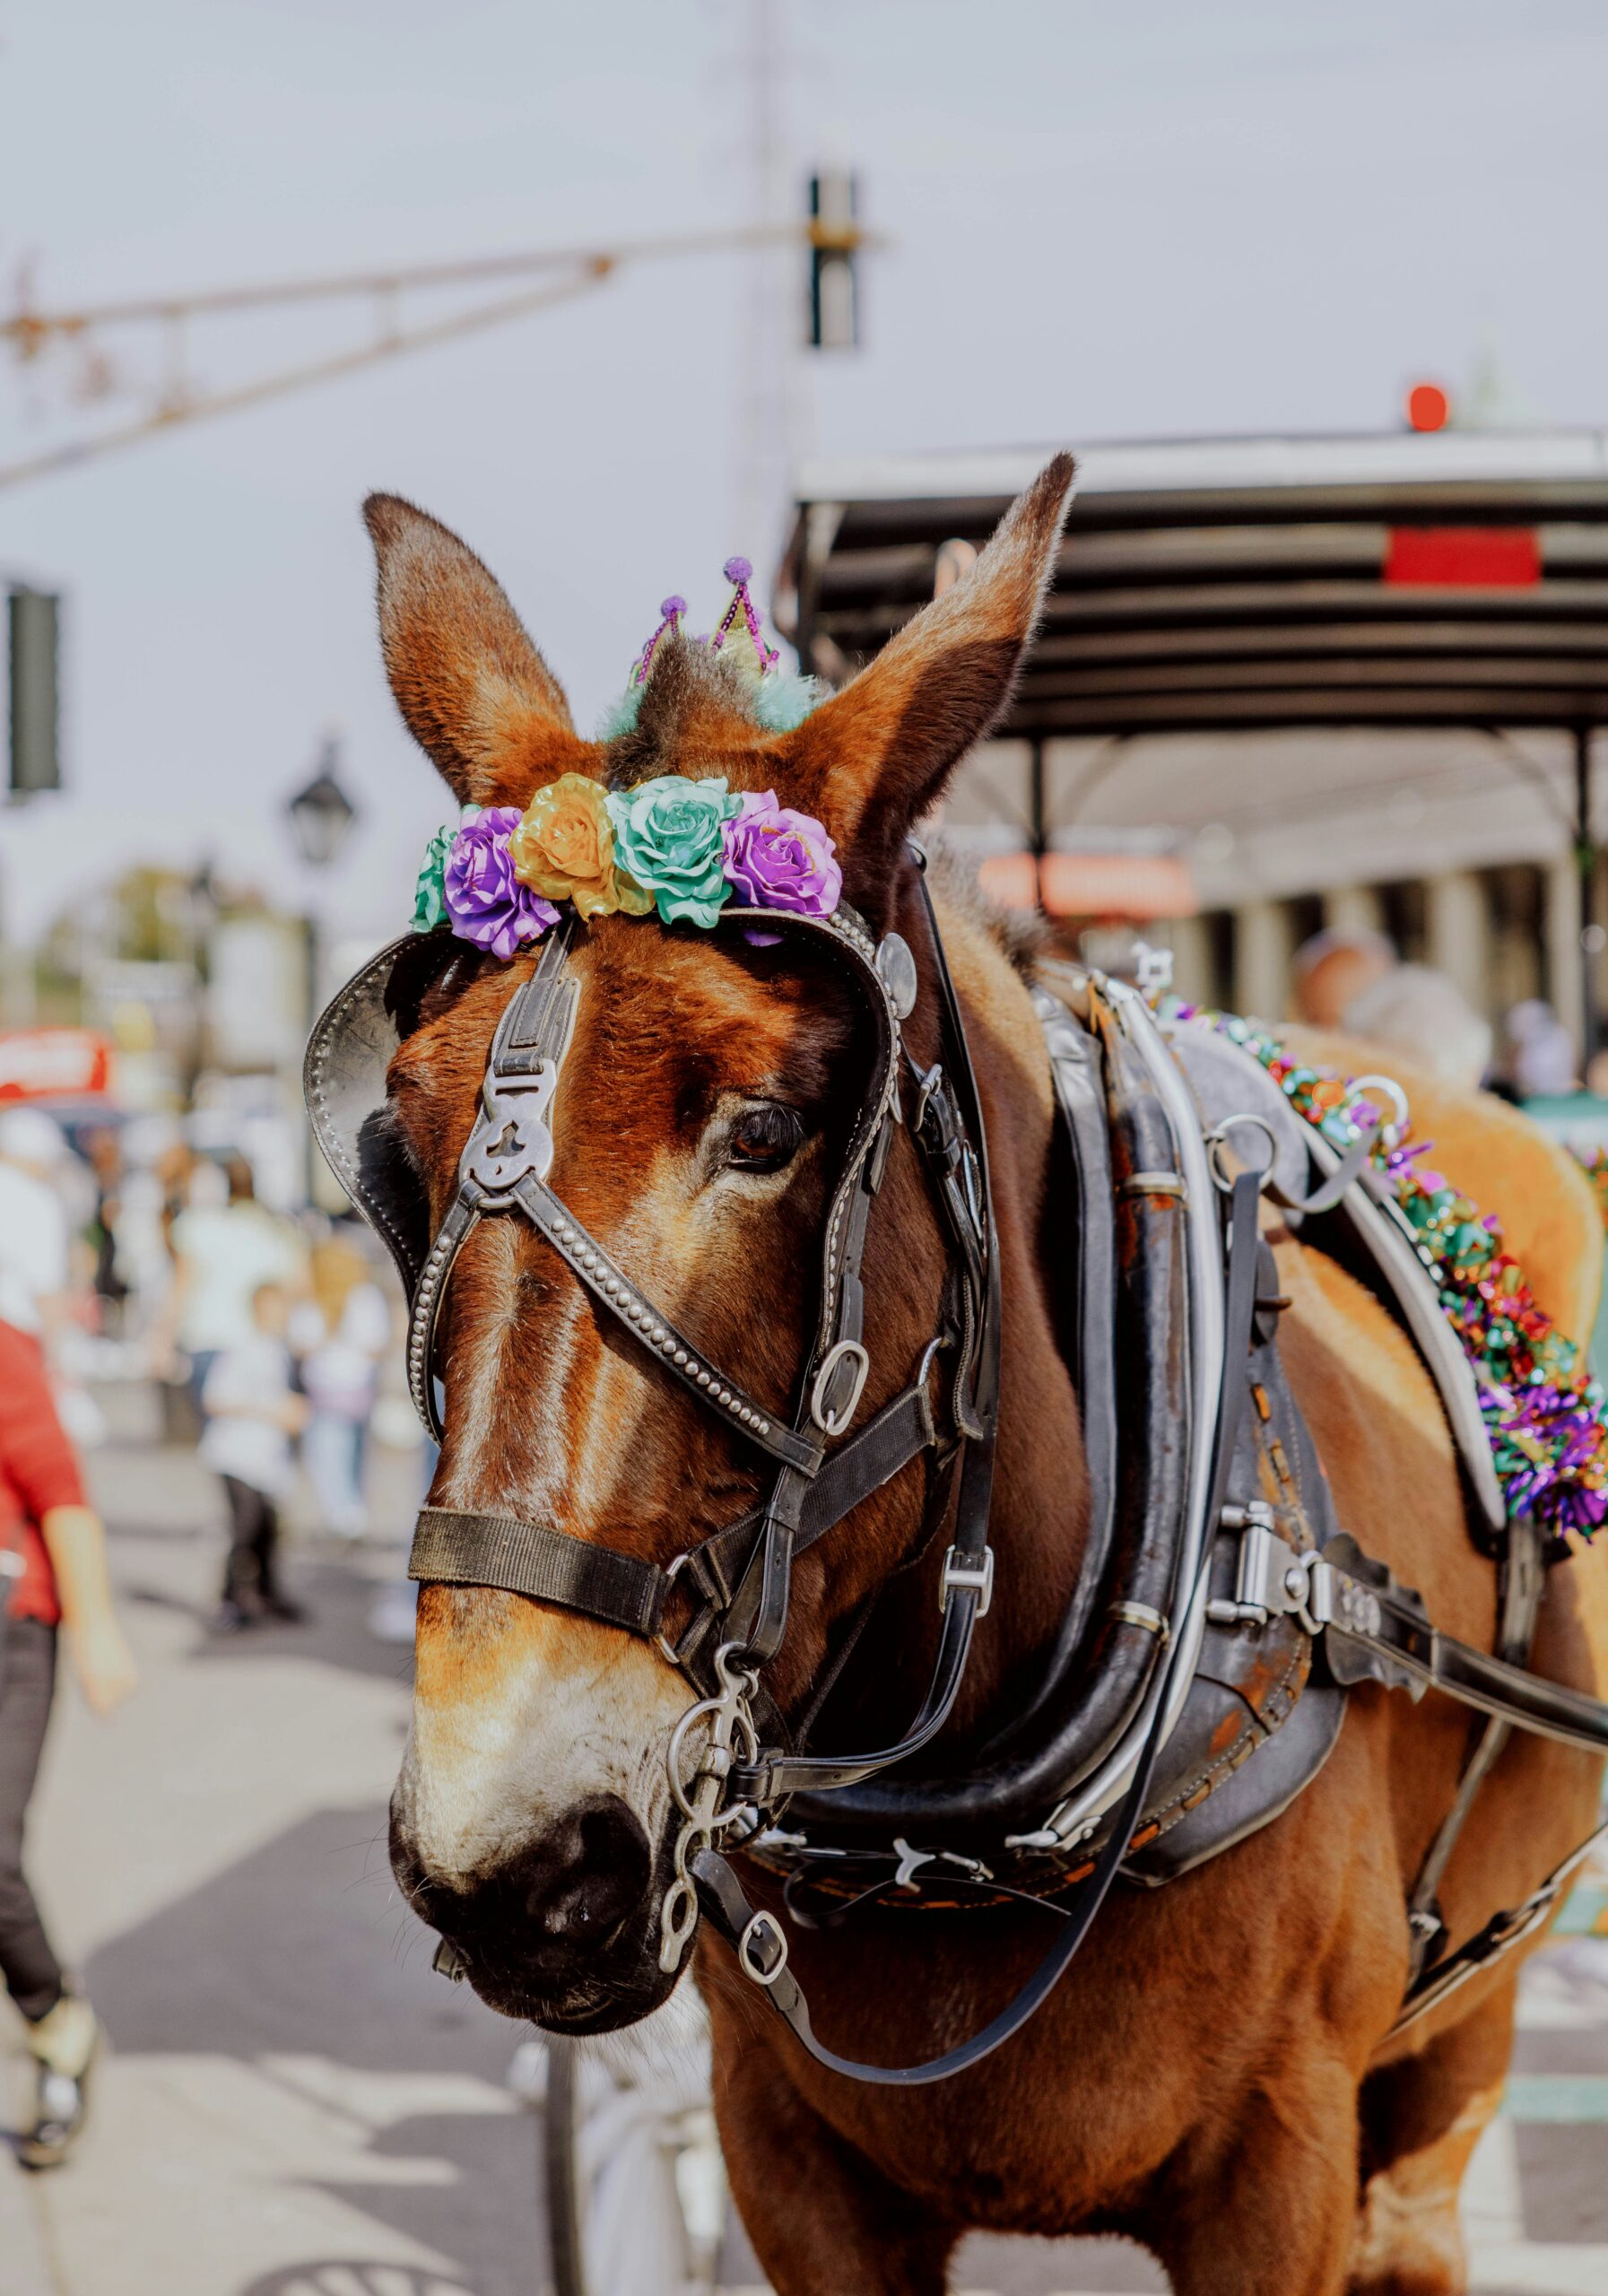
x: 672, y: 606
x: 739, y: 569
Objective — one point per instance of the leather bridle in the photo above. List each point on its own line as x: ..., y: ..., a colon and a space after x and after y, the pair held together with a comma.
x: 736, y: 1582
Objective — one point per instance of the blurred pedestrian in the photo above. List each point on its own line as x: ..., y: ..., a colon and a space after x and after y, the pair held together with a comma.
x: 35, y: 1236
x: 252, y: 1411
x: 225, y: 1245
x: 1334, y: 968
x: 103, y: 1153
x: 1541, y: 1051
x: 340, y: 1334
x: 1415, y: 1010
x: 52, y: 1572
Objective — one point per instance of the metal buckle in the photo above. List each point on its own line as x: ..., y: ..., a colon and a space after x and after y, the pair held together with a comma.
x: 763, y: 1926
x: 928, y: 1083
x: 958, y: 1573
x: 1272, y: 1580
x: 511, y: 1137
x: 1218, y: 1140
x: 449, y: 1962
x: 1364, y: 1088
x: 832, y: 1420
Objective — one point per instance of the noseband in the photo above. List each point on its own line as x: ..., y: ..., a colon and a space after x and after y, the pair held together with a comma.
x: 734, y: 1584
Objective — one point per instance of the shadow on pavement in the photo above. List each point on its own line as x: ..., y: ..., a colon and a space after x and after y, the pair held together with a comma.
x: 302, y: 1951
x: 353, y: 2276
x: 338, y: 1599
x: 304, y: 1945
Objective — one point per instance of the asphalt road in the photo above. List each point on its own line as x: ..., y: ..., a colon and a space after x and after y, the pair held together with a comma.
x: 295, y: 2106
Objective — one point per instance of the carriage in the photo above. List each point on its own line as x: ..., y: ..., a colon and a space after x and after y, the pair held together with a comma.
x: 1394, y: 586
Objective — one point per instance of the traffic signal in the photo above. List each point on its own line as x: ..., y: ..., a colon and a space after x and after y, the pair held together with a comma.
x: 34, y: 631
x: 834, y: 239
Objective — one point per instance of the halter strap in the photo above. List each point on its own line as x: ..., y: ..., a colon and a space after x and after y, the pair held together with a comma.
x: 739, y: 1578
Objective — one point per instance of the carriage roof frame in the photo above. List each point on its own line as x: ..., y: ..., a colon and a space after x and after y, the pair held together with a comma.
x: 1385, y: 582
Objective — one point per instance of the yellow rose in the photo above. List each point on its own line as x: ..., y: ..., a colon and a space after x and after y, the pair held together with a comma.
x: 564, y: 849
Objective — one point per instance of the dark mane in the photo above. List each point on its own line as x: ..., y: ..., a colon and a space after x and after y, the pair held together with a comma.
x: 1021, y: 933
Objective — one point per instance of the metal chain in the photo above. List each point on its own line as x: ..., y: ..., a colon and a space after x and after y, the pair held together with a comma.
x: 698, y: 1797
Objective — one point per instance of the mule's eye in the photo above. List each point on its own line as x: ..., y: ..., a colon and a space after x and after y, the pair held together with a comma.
x: 764, y: 1138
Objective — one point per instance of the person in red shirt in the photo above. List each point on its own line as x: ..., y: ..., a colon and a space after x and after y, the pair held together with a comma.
x: 52, y: 1573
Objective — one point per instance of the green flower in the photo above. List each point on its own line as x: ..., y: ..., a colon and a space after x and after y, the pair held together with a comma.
x: 667, y: 837
x: 430, y: 896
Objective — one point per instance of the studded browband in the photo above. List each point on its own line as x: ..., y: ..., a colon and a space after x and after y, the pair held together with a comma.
x: 736, y: 1580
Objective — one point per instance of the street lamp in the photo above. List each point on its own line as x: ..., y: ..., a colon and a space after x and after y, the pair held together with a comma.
x: 322, y: 813
x: 321, y: 816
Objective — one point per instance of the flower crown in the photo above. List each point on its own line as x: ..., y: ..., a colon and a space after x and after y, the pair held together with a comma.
x: 684, y: 847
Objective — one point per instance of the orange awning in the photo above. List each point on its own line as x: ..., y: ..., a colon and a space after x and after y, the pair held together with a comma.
x: 1139, y: 885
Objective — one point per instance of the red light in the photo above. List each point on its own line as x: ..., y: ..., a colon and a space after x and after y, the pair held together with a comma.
x: 1428, y: 407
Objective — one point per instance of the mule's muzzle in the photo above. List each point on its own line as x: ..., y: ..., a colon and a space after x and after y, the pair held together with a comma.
x: 563, y: 1931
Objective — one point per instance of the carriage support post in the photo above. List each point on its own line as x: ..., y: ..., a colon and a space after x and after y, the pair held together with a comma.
x: 1586, y: 862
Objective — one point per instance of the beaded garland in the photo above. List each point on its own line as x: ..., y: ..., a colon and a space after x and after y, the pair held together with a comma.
x: 1593, y: 1164
x: 1543, y: 1413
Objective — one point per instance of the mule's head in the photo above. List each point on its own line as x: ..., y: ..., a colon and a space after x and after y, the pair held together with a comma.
x: 699, y: 1125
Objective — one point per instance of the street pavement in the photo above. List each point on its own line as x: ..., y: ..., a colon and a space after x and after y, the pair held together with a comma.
x: 294, y: 2105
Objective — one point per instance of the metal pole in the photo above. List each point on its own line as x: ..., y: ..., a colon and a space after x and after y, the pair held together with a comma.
x: 314, y: 955
x: 1037, y: 834
x: 1585, y: 861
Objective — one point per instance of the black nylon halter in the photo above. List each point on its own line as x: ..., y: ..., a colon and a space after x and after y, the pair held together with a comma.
x: 739, y: 1578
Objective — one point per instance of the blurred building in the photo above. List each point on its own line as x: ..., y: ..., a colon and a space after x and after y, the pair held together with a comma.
x: 1280, y: 684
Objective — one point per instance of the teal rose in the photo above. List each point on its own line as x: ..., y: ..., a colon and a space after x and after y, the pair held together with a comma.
x: 429, y: 895
x: 669, y: 837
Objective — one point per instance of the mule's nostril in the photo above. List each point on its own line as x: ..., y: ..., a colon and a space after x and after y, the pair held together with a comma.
x: 589, y: 1876
x: 551, y: 1908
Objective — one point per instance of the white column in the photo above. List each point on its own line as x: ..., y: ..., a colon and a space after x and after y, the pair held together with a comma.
x: 1457, y: 932
x: 1262, y: 953
x: 1191, y: 948
x: 1353, y: 909
x: 1560, y: 926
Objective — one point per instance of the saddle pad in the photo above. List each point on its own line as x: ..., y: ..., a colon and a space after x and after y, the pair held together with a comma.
x: 1227, y: 1082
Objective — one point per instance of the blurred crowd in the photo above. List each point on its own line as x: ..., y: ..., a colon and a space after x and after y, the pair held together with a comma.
x: 126, y: 1255
x: 1355, y: 981
x: 273, y: 1342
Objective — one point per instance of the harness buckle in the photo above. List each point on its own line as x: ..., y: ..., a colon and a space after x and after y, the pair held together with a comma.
x: 832, y: 1417
x: 1270, y: 1579
x: 932, y: 1099
x: 763, y: 1933
x: 958, y: 1571
x: 511, y: 1137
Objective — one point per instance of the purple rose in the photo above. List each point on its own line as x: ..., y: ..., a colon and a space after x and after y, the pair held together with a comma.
x: 487, y: 903
x: 776, y: 858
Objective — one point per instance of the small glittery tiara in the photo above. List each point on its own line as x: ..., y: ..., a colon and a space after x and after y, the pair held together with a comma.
x: 780, y: 698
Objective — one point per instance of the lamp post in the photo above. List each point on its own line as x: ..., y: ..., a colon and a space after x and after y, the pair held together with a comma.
x: 322, y: 813
x: 321, y: 817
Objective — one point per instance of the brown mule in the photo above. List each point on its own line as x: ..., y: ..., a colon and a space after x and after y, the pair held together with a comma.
x: 1211, y: 2078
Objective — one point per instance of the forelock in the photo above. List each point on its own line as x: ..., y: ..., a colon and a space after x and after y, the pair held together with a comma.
x: 696, y: 717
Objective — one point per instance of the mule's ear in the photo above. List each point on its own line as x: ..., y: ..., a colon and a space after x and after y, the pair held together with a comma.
x: 873, y: 759
x: 476, y: 694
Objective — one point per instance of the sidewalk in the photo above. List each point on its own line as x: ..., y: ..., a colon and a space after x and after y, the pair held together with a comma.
x: 295, y: 2106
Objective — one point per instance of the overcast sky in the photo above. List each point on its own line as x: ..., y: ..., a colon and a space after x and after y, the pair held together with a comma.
x: 1103, y: 223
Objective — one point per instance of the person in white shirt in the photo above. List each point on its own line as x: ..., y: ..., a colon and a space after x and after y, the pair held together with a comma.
x: 225, y: 1244
x: 252, y: 1414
